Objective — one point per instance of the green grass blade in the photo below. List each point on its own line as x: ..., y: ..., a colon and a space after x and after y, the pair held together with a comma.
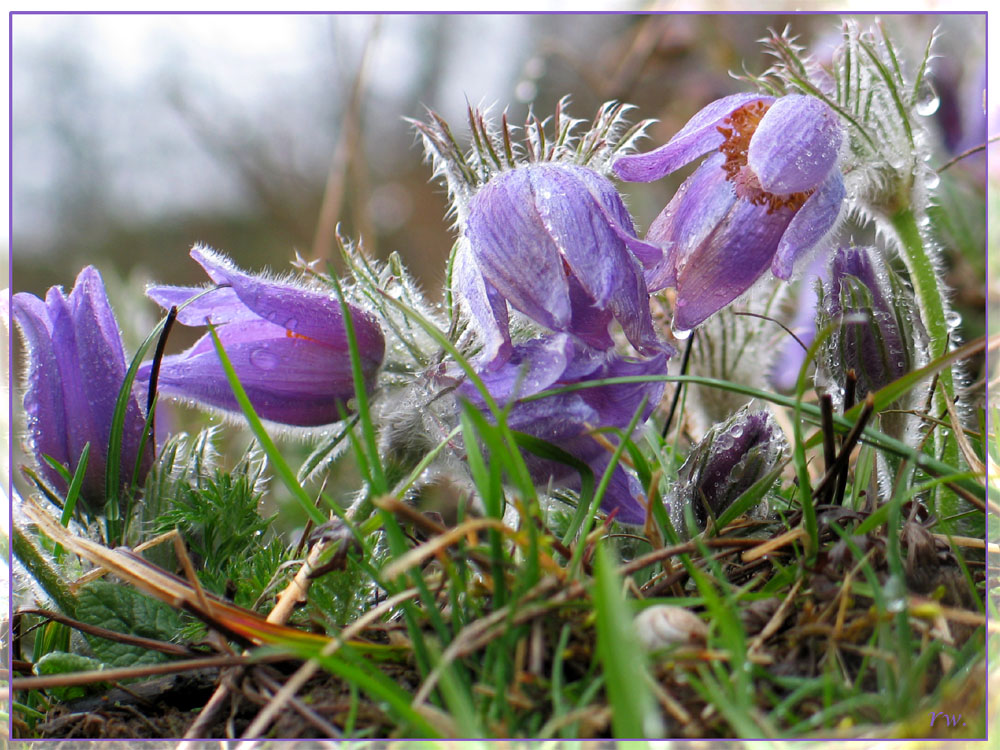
x: 281, y: 467
x: 634, y: 709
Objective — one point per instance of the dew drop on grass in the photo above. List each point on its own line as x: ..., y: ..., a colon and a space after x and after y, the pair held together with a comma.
x: 927, y: 100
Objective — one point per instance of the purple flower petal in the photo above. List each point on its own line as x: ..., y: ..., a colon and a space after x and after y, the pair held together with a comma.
x: 515, y: 251
x: 784, y: 372
x: 308, y: 313
x: 567, y: 419
x: 43, y: 398
x: 487, y: 308
x: 811, y: 223
x: 288, y: 346
x: 699, y: 136
x: 701, y: 203
x: 621, y: 496
x: 728, y: 261
x: 795, y: 145
x: 609, y: 202
x: 290, y: 380
x: 532, y: 367
x: 217, y: 306
x: 590, y: 322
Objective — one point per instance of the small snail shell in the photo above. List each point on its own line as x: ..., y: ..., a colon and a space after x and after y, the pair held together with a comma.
x: 665, y: 625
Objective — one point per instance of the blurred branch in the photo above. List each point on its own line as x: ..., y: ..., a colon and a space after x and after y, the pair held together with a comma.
x: 348, y: 157
x: 234, y: 146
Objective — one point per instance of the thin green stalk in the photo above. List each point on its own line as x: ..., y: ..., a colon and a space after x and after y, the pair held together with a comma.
x: 930, y: 301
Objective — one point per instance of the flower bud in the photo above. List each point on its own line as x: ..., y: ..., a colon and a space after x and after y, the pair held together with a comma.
x: 877, y: 330
x: 76, y: 368
x: 731, y: 457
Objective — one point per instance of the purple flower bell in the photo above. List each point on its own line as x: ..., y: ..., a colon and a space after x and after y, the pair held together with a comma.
x: 767, y: 196
x: 556, y: 242
x: 287, y: 344
x: 567, y: 420
x: 76, y: 368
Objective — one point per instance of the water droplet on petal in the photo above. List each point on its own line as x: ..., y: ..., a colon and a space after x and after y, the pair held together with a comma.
x: 680, y: 334
x: 264, y: 359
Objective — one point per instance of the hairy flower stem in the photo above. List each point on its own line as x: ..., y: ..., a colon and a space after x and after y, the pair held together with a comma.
x: 27, y: 551
x: 931, y: 302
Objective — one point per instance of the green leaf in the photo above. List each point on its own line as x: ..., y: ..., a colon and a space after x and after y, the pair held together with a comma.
x: 61, y: 662
x: 127, y: 611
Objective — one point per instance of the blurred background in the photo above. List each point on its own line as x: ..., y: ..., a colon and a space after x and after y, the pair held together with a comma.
x: 135, y: 136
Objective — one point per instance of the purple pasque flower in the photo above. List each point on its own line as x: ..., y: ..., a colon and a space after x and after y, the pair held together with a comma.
x: 568, y: 420
x: 770, y: 192
x: 556, y: 242
x: 731, y: 457
x: 76, y: 368
x: 287, y: 344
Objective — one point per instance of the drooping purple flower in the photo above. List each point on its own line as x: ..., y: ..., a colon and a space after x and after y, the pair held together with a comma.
x: 287, y: 344
x: 76, y: 368
x: 767, y: 196
x: 556, y: 242
x: 731, y: 457
x: 877, y: 332
x: 567, y: 420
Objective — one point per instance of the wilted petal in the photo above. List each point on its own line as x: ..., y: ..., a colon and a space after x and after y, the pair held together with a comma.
x: 699, y: 136
x: 810, y: 224
x: 796, y: 145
